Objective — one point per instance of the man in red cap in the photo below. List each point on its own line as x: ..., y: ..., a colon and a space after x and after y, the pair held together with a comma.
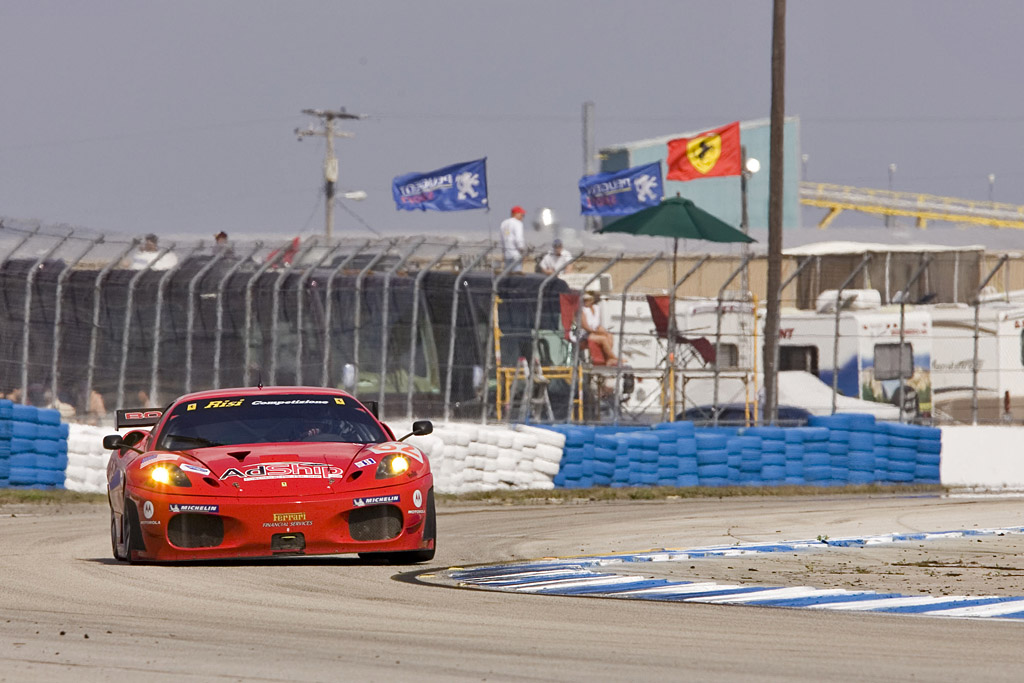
x: 513, y: 244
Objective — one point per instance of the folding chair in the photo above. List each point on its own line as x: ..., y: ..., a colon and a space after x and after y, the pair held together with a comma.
x: 698, y: 347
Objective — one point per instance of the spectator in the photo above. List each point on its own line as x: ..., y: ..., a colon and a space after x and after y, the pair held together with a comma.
x: 513, y: 244
x: 555, y: 259
x: 147, y: 254
x: 221, y: 246
x: 591, y: 320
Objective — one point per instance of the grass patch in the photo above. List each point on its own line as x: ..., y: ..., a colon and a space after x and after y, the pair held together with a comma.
x: 602, y: 493
x: 49, y: 496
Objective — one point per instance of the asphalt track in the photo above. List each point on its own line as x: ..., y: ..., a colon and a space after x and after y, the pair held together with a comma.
x: 68, y: 612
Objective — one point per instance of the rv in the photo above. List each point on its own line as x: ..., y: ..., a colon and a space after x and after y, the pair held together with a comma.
x: 1000, y: 366
x: 869, y: 352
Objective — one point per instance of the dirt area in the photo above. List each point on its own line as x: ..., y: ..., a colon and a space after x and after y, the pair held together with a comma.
x: 987, y: 565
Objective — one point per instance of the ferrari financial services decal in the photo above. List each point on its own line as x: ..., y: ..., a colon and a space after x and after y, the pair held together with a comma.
x: 375, y: 500
x: 289, y: 516
x: 192, y: 507
x: 194, y: 468
x: 366, y: 463
x: 284, y: 470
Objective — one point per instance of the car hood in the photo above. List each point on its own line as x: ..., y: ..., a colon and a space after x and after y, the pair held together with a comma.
x: 285, y: 469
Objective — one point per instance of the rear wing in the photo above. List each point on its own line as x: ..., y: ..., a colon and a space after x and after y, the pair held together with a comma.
x: 137, y: 417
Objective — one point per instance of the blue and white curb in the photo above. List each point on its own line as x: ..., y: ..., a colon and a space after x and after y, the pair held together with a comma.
x: 583, y: 576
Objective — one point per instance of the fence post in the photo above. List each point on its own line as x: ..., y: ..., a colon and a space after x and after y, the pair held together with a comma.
x: 414, y: 337
x: 925, y: 260
x: 670, y: 338
x: 161, y: 288
x: 451, y: 329
x: 126, y: 327
x: 579, y: 337
x: 190, y: 322
x: 219, y: 331
x: 275, y: 305
x: 622, y: 331
x: 974, y: 365
x: 718, y: 340
x: 58, y: 312
x: 97, y: 299
x: 25, y: 337
x: 358, y: 321
x: 835, y: 338
x: 535, y: 335
x: 329, y: 309
x: 269, y: 263
x: 490, y: 348
x: 385, y: 326
x: 300, y: 301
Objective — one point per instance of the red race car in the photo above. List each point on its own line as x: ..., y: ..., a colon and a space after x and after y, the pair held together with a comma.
x: 257, y: 472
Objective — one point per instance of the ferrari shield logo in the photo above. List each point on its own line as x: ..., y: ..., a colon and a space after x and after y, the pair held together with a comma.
x: 703, y: 152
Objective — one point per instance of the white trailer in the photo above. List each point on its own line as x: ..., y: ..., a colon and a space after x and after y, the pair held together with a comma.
x: 1000, y: 360
x: 869, y: 359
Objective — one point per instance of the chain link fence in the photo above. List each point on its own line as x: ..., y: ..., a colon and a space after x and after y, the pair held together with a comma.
x: 442, y: 328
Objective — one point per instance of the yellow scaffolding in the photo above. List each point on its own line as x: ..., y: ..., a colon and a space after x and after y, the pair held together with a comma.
x: 921, y: 207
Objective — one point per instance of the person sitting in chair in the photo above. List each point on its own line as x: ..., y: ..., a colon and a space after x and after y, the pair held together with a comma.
x: 596, y: 332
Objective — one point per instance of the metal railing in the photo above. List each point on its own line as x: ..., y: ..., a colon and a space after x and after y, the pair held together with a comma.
x: 435, y: 326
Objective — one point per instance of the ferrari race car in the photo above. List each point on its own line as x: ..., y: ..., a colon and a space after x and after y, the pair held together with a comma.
x: 258, y: 472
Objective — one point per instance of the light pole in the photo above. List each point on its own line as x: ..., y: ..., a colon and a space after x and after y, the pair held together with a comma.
x: 804, y: 158
x: 890, y: 221
x: 991, y: 187
x: 750, y: 167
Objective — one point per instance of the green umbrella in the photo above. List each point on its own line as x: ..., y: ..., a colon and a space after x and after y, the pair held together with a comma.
x: 678, y: 217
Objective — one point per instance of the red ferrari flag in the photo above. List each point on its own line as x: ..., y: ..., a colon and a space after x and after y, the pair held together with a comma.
x: 714, y: 153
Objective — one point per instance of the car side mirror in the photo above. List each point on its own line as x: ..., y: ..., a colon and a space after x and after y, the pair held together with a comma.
x: 113, y: 442
x: 420, y: 428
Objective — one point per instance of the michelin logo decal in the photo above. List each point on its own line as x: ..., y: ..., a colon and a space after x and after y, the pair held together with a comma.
x: 374, y: 500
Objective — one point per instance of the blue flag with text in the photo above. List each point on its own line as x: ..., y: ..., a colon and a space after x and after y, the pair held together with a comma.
x: 453, y: 188
x: 621, y: 192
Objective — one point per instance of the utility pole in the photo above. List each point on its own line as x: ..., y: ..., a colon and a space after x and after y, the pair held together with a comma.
x: 778, y: 113
x: 589, y: 156
x: 330, y: 161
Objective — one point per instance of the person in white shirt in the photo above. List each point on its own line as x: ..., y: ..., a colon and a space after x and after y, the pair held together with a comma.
x: 555, y: 259
x: 591, y: 320
x: 513, y: 244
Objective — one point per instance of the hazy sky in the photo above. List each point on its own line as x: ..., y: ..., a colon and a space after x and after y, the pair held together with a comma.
x: 178, y: 117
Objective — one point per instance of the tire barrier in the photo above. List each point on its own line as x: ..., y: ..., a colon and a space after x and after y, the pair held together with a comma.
x: 33, y: 447
x: 87, y: 459
x: 468, y: 458
x: 835, y: 450
x: 36, y: 450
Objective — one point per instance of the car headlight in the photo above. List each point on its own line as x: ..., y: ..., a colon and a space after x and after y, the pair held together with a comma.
x: 393, y: 465
x: 168, y: 474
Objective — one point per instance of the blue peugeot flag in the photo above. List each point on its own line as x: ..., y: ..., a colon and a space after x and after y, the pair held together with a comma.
x: 621, y: 192
x: 453, y: 188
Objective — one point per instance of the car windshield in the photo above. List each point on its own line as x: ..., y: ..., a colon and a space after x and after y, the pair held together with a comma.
x: 271, y: 418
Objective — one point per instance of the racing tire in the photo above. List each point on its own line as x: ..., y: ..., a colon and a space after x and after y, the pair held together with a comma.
x: 114, y: 537
x: 131, y: 530
x: 412, y: 556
